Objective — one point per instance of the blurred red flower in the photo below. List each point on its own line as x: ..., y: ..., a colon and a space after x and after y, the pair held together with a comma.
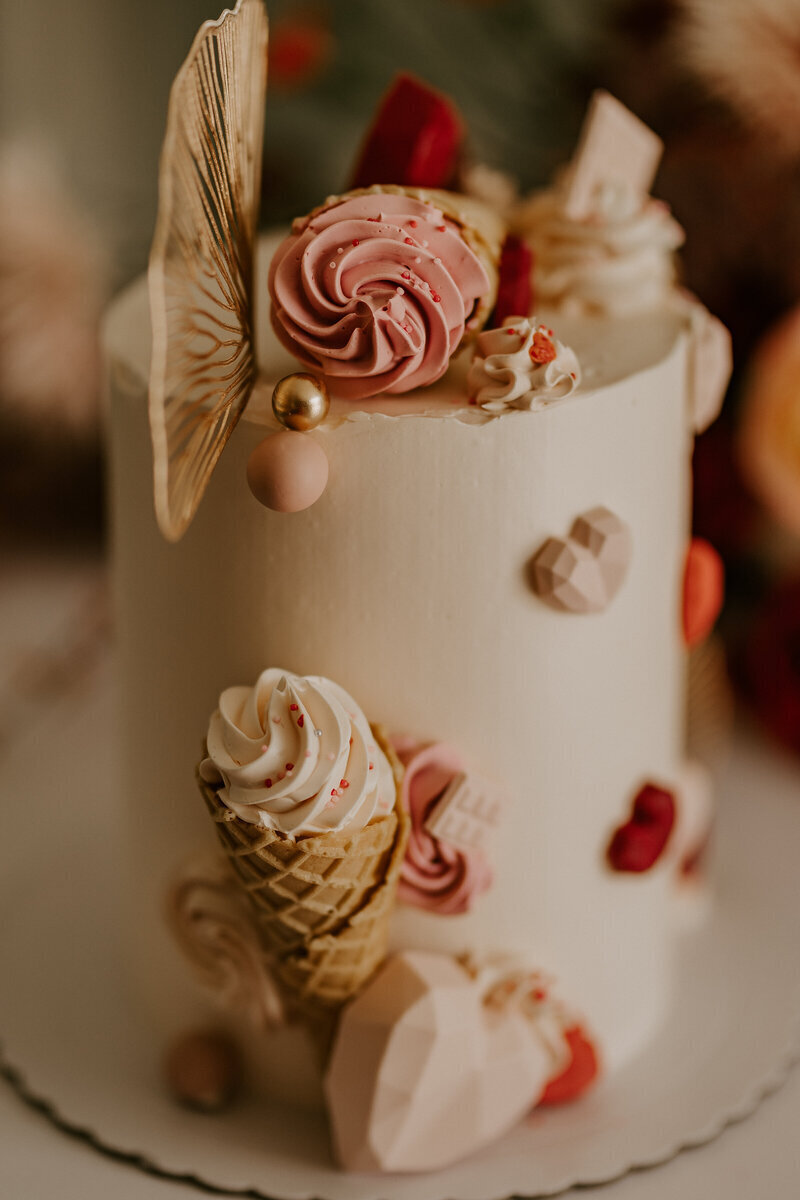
x: 299, y: 48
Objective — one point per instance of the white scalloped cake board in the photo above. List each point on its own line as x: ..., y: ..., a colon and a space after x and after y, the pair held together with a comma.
x: 67, y: 1024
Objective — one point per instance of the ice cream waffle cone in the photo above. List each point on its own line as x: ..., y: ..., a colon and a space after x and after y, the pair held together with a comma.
x: 334, y: 967
x: 303, y: 888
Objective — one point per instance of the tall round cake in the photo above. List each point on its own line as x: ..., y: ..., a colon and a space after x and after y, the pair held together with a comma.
x: 494, y: 574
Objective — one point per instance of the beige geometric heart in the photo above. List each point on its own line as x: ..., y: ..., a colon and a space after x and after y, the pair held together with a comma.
x: 583, y: 572
x: 427, y: 1066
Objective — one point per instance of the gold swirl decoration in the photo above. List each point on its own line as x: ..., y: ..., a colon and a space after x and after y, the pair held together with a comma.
x: 201, y: 265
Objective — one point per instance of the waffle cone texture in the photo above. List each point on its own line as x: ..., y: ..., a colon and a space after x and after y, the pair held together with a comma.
x: 322, y: 903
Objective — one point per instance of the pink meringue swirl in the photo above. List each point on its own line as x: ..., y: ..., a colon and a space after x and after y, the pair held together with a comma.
x: 374, y: 291
x: 435, y: 875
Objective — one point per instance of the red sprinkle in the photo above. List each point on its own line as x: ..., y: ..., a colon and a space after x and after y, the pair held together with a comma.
x: 372, y: 766
x: 267, y: 783
x: 343, y: 783
x: 542, y: 350
x: 290, y: 766
x: 355, y: 241
x: 293, y: 707
x: 435, y: 297
x: 301, y: 720
x: 409, y: 241
x: 412, y: 224
x: 441, y: 228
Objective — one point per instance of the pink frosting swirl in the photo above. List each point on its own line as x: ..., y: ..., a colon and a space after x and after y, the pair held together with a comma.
x: 435, y: 875
x: 374, y: 291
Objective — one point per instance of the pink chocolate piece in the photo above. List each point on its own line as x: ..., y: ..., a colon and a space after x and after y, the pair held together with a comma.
x: 423, y: 1073
x: 514, y: 288
x: 583, y: 572
x: 413, y: 141
x: 615, y: 147
x: 287, y: 472
x: 637, y: 845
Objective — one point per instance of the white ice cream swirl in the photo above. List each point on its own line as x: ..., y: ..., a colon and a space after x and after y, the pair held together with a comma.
x: 521, y: 365
x: 296, y: 754
x: 619, y: 259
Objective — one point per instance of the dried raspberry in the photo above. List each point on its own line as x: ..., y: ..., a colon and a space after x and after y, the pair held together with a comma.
x: 542, y: 350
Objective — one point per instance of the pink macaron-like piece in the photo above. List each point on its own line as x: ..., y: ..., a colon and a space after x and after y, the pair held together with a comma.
x: 287, y: 472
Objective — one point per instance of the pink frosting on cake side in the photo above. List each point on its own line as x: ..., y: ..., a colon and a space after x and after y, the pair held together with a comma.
x: 436, y: 875
x: 374, y: 292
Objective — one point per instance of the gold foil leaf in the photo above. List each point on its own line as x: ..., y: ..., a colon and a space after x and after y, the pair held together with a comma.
x: 201, y: 264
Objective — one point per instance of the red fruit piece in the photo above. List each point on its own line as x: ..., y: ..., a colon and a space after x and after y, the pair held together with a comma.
x: 542, y: 350
x: 514, y: 291
x: 414, y: 138
x: 579, y: 1073
x: 703, y: 590
x: 654, y: 806
x: 637, y: 845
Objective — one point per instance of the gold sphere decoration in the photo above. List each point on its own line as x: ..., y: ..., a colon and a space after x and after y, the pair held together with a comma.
x: 300, y: 401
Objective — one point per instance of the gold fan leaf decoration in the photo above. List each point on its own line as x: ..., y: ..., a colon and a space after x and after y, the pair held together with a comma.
x: 201, y: 265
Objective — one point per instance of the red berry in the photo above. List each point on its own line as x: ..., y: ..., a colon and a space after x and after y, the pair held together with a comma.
x: 413, y: 141
x: 579, y: 1073
x: 514, y: 292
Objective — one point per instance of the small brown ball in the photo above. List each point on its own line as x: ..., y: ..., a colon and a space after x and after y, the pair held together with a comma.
x: 287, y: 472
x: 300, y: 401
x: 202, y: 1070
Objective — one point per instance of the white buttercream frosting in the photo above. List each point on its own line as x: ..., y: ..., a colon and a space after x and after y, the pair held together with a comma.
x: 617, y: 260
x: 296, y: 754
x: 522, y: 364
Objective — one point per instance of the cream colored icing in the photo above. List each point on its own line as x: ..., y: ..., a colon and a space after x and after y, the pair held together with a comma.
x: 617, y: 260
x: 374, y: 290
x: 297, y: 755
x: 521, y: 365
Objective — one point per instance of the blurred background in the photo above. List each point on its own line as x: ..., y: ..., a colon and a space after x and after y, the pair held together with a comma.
x: 83, y: 96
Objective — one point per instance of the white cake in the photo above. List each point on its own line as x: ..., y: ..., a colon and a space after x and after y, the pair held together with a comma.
x: 407, y: 583
x: 479, y: 550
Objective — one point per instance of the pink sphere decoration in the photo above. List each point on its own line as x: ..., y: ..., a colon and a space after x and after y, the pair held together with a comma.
x: 287, y: 472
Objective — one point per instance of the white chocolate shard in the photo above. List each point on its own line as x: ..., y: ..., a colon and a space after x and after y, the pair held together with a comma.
x: 467, y: 813
x: 614, y: 148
